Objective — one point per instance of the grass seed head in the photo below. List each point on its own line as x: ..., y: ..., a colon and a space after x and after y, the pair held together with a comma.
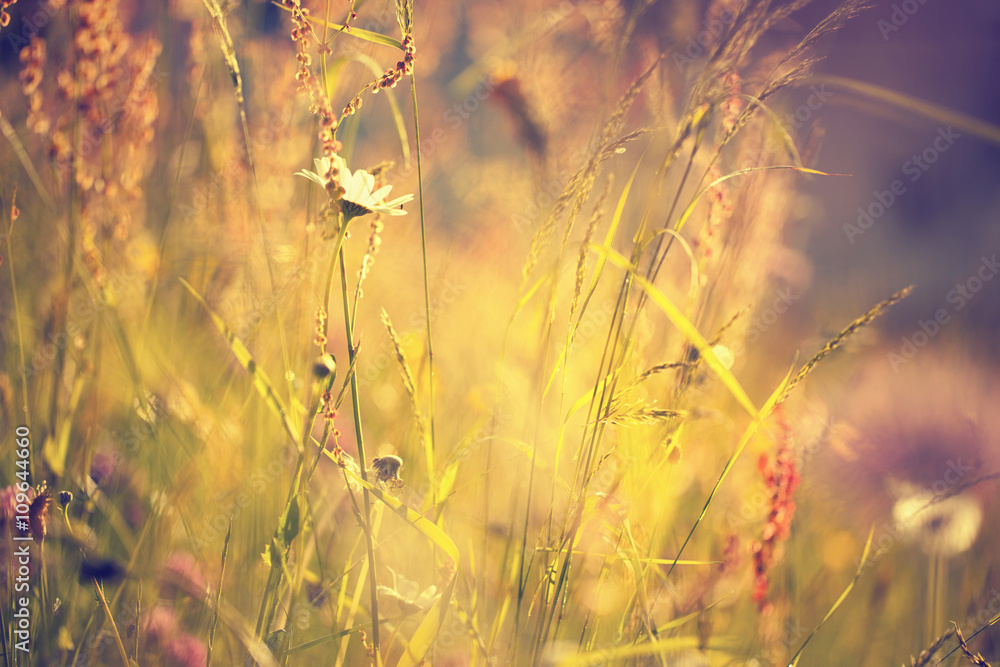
x: 38, y: 513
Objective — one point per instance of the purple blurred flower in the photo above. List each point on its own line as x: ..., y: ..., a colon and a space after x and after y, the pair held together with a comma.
x: 160, y: 624
x: 109, y: 471
x: 164, y: 636
x: 181, y: 572
x: 185, y: 650
x: 915, y: 447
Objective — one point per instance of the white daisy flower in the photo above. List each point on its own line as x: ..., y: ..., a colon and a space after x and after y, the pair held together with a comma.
x: 360, y: 197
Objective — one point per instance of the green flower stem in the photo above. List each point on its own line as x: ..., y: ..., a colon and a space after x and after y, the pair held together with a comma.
x: 428, y: 446
x: 269, y: 601
x: 363, y: 461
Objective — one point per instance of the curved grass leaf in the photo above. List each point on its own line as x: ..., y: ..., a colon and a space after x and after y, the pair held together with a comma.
x: 608, y: 656
x: 758, y: 419
x: 840, y: 600
x: 427, y: 631
x: 740, y: 172
x: 608, y: 240
x: 257, y: 374
x: 686, y: 327
x: 367, y: 35
x: 678, y: 622
x: 786, y: 138
x: 969, y: 124
x: 397, y: 116
x: 598, y: 271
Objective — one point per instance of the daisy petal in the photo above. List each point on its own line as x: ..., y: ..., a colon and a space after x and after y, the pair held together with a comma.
x: 359, y: 194
x: 381, y: 193
x: 315, y: 178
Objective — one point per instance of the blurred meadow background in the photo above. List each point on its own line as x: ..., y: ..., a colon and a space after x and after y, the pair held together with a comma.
x: 499, y: 333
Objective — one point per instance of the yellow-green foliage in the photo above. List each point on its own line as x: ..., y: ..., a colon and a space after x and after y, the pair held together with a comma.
x: 549, y: 358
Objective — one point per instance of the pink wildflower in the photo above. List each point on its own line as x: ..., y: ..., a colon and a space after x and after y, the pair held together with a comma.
x: 781, y: 477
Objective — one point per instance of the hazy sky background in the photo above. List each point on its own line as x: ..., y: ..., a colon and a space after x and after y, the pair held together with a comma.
x: 937, y: 231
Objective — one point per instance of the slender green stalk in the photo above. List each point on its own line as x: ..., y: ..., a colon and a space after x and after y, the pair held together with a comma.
x: 229, y: 52
x: 270, y: 598
x: 218, y: 595
x: 366, y: 523
x: 111, y: 620
x: 161, y: 244
x: 428, y: 446
x: 138, y: 610
x: 6, y: 641
x: 17, y: 321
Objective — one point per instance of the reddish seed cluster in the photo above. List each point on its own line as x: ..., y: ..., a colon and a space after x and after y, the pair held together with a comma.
x: 141, y: 98
x: 392, y: 76
x: 403, y: 68
x: 100, y: 46
x: 4, y: 15
x: 781, y: 477
x: 733, y: 105
x: 320, y: 105
x: 368, y: 647
x: 730, y: 554
x: 109, y: 85
x: 98, y: 116
x: 39, y: 500
x: 329, y: 410
x: 320, y: 340
x: 327, y: 406
x: 352, y: 106
x: 15, y: 213
x: 300, y: 35
x: 720, y: 208
x: 374, y: 243
x: 338, y: 455
x: 333, y: 187
x: 38, y: 513
x: 33, y: 63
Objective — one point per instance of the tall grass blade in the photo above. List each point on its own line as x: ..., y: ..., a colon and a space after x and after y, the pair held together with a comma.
x: 423, y: 637
x: 838, y: 340
x: 964, y: 122
x: 840, y: 600
x: 25, y: 159
x: 618, y: 654
x: 686, y: 327
x: 397, y: 115
x: 759, y: 418
x: 741, y: 172
x: 257, y: 375
x: 218, y: 593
